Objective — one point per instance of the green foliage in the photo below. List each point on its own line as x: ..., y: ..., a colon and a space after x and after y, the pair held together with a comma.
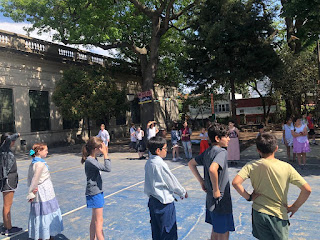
x: 232, y: 40
x: 298, y: 74
x: 89, y: 93
x: 306, y: 16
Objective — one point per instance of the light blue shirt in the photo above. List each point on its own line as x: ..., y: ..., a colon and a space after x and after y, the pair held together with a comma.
x: 104, y: 135
x: 160, y: 182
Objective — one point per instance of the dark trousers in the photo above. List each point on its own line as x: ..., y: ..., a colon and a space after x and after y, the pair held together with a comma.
x: 163, y: 220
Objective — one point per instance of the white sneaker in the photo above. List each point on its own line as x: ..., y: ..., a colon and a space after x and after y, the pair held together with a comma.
x: 174, y: 159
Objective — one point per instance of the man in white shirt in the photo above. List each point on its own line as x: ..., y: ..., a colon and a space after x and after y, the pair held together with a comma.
x: 104, y: 134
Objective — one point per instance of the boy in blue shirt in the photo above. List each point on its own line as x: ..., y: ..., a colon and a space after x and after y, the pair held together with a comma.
x: 160, y: 185
x: 216, y: 182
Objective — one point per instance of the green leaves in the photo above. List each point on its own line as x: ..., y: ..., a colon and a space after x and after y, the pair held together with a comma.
x: 89, y: 93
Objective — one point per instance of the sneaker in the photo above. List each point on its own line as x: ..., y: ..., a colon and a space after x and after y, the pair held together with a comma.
x: 174, y: 159
x: 180, y: 158
x: 12, y: 231
x: 315, y: 143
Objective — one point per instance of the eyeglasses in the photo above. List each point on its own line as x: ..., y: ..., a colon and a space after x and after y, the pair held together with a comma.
x: 164, y: 148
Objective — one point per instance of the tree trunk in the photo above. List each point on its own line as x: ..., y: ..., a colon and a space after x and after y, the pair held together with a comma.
x: 149, y: 68
x: 233, y: 101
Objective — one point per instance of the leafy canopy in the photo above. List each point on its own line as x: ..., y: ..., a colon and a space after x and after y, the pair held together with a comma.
x: 89, y: 93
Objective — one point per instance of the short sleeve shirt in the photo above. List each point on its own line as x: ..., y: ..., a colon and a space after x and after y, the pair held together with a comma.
x: 270, y: 178
x: 223, y: 205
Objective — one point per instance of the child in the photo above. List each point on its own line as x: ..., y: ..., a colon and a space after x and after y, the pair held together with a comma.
x: 287, y: 136
x: 260, y: 130
x: 233, y: 146
x: 216, y: 182
x: 270, y: 180
x: 300, y: 141
x: 94, y: 193
x: 160, y: 185
x: 204, y: 140
x: 310, y: 124
x: 45, y: 220
x: 8, y: 181
x: 186, y: 133
x: 151, y: 129
x: 133, y: 139
x: 141, y: 148
x: 104, y: 135
x: 175, y: 138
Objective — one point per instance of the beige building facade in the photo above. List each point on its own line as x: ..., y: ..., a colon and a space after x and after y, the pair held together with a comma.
x: 29, y: 70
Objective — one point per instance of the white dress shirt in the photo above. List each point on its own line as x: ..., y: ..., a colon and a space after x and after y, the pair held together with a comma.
x: 160, y: 182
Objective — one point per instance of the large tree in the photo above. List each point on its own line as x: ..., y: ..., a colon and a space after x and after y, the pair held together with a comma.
x: 133, y: 26
x: 231, y: 44
x: 89, y: 93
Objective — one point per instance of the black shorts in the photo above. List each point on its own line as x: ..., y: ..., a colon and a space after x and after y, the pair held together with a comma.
x: 9, y: 184
x: 311, y: 132
x: 133, y: 145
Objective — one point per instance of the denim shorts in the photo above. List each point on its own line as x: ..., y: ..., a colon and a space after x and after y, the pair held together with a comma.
x: 95, y: 201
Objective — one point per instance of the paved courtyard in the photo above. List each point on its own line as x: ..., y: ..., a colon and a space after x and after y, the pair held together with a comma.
x: 126, y: 214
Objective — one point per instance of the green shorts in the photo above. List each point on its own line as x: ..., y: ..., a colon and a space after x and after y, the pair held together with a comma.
x: 266, y: 227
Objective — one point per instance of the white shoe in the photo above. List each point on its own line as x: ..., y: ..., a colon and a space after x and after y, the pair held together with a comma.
x: 174, y: 159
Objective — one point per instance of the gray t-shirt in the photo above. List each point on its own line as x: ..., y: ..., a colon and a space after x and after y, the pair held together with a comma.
x: 219, y: 155
x: 92, y: 169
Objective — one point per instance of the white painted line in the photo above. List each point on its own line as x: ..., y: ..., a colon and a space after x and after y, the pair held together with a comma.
x: 198, y: 220
x: 79, y: 208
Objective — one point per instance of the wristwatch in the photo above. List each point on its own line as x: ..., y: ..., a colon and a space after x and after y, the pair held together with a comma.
x: 250, y: 198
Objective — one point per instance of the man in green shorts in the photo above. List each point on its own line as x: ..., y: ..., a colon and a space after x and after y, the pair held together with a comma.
x: 270, y: 179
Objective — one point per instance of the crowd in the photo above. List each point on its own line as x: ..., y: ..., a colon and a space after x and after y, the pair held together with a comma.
x: 269, y: 177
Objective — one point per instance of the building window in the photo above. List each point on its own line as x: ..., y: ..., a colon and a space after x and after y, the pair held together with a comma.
x: 215, y: 108
x: 227, y: 107
x: 70, y: 124
x: 6, y: 110
x: 241, y: 110
x: 223, y: 107
x: 39, y: 110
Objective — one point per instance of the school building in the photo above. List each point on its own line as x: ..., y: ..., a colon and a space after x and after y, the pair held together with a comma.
x: 29, y: 69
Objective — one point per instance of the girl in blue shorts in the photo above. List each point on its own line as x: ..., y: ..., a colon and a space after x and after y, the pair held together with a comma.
x: 94, y: 193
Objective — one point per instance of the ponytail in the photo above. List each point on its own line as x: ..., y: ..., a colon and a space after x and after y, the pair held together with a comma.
x: 84, y: 153
x: 89, y: 147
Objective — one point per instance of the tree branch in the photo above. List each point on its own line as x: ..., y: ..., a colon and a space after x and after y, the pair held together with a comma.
x: 142, y: 8
x: 179, y: 29
x: 183, y: 11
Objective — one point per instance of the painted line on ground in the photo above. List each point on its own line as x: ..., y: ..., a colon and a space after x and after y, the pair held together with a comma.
x: 79, y: 208
x: 203, y: 209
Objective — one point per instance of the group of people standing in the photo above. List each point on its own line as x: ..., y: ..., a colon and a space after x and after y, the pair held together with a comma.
x: 295, y: 135
x: 45, y: 220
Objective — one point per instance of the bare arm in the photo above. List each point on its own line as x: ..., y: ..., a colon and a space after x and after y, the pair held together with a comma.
x: 193, y: 167
x: 303, y: 196
x: 294, y: 134
x: 237, y: 184
x: 213, y: 172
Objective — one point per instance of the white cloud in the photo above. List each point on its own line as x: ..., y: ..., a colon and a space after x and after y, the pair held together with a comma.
x: 19, y: 29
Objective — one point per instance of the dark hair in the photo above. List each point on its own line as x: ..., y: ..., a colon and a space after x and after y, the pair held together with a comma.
x: 232, y: 121
x: 155, y: 143
x: 260, y: 126
x: 218, y: 130
x: 4, y: 136
x: 296, y: 118
x: 38, y: 147
x: 287, y: 119
x: 267, y: 143
x: 94, y: 142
